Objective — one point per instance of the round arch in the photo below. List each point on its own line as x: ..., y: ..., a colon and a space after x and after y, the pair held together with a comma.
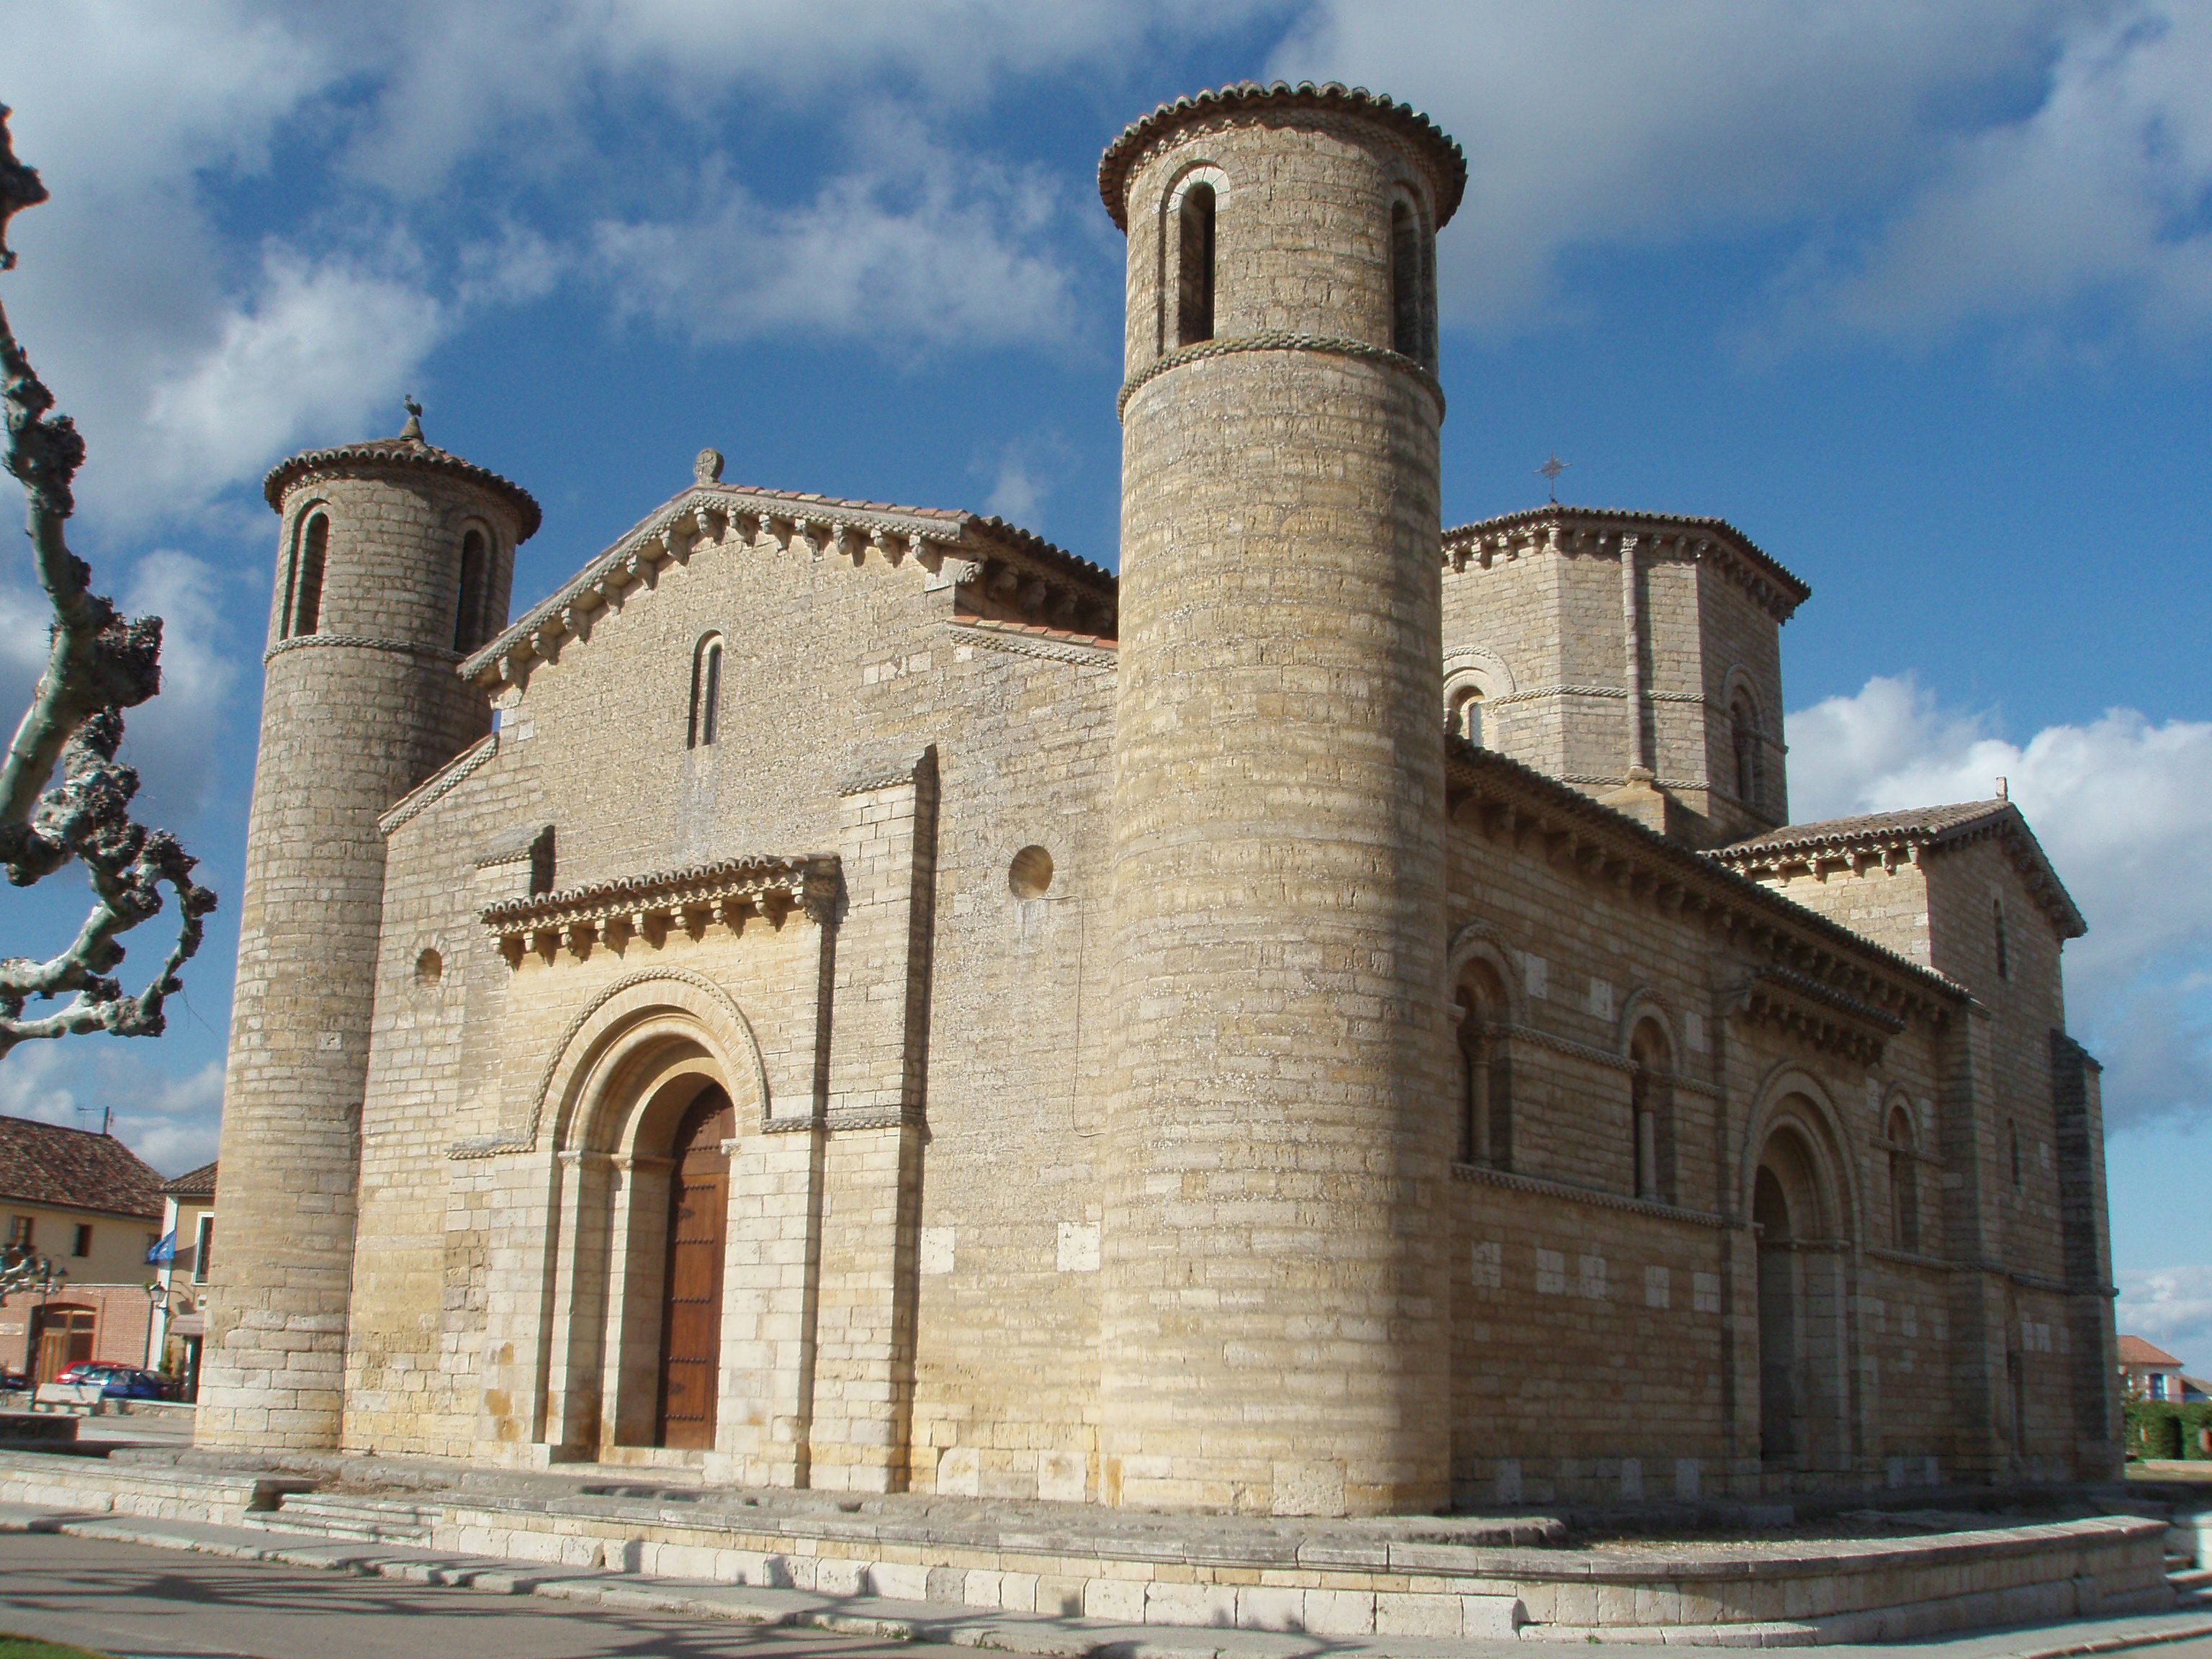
x: 591, y: 1082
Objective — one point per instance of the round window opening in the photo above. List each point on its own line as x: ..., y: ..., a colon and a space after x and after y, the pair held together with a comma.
x: 429, y: 968
x: 1030, y: 872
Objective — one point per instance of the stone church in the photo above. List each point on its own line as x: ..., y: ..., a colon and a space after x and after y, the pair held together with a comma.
x: 1332, y: 1020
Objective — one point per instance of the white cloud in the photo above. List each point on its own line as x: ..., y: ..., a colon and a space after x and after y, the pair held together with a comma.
x: 2118, y: 803
x: 323, y: 346
x: 1928, y: 165
x: 2172, y: 1307
x: 923, y: 248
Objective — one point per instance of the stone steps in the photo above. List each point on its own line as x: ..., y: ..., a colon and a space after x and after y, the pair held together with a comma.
x: 362, y: 1519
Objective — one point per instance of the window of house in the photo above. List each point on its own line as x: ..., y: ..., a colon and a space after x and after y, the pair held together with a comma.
x: 82, y: 1243
x: 1194, y: 265
x: 1485, y: 1102
x: 1467, y: 713
x: 1409, y: 283
x: 19, y: 1230
x: 706, y: 691
x: 1903, y: 1183
x: 1997, y: 930
x: 2158, y: 1385
x: 203, y: 1244
x: 468, y: 612
x: 1750, y: 757
x: 303, y: 593
x: 1651, y: 1108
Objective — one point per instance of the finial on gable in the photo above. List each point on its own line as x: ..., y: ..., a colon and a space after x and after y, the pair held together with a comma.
x: 706, y: 466
x: 413, y: 429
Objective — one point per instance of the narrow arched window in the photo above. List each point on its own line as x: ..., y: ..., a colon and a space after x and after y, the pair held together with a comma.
x: 706, y: 691
x: 1467, y: 713
x: 1409, y: 286
x: 1485, y: 1101
x: 1998, y: 929
x: 304, y: 601
x: 468, y: 612
x: 1750, y: 755
x: 1652, y: 1109
x: 2012, y: 1140
x: 1194, y: 266
x: 1904, y: 1182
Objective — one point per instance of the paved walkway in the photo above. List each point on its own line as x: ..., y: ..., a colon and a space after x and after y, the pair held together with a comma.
x: 143, y: 1588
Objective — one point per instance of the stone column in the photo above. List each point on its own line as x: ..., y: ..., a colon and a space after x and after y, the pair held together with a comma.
x: 361, y: 703
x: 1276, y: 1302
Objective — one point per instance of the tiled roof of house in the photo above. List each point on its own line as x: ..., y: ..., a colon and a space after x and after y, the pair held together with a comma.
x: 1931, y: 827
x: 2134, y: 1350
x: 74, y: 1169
x: 193, y: 1183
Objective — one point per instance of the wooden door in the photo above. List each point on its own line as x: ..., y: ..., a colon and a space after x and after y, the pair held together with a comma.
x: 691, y: 1309
x: 64, y: 1337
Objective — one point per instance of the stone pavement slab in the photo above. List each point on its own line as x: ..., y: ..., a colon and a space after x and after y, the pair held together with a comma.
x: 910, y: 1622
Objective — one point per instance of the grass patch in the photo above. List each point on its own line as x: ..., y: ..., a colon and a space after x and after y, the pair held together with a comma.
x: 29, y: 1647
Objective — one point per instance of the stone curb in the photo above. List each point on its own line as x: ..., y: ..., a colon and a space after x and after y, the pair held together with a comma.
x: 906, y: 1621
x: 866, y: 1616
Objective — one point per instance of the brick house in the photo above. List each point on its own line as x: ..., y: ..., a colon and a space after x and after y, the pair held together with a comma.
x: 87, y: 1203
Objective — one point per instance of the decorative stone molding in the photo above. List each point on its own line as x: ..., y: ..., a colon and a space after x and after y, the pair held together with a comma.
x: 642, y: 905
x: 562, y: 1056
x: 712, y: 515
x: 1656, y: 536
x: 1535, y: 692
x: 404, y: 453
x: 1326, y: 105
x: 1482, y: 1173
x: 438, y: 784
x: 1278, y: 340
x: 359, y: 643
x: 992, y: 636
x: 1817, y: 1013
x: 1501, y: 797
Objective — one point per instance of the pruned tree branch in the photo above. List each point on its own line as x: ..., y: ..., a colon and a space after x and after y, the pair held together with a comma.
x: 98, y: 664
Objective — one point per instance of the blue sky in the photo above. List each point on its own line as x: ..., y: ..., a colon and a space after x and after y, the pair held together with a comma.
x: 1918, y: 297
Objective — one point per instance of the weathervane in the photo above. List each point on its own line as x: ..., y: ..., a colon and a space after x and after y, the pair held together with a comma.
x: 1550, y: 473
x: 414, y: 427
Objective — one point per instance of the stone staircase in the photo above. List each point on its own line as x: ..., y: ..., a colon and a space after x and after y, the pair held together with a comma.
x: 336, y: 1514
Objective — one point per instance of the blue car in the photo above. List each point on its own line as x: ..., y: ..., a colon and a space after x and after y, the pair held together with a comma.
x: 118, y: 1382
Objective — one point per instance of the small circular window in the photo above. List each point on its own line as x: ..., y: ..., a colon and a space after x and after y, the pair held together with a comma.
x: 1031, y: 873
x: 429, y: 968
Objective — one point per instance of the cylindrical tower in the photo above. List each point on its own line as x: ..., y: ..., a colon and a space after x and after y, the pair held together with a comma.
x: 1275, y: 1322
x: 394, y: 562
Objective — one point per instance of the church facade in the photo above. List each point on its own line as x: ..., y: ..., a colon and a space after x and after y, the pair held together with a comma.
x: 1332, y: 1019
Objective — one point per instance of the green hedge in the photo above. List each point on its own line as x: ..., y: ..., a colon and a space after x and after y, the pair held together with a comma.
x: 2161, y: 1430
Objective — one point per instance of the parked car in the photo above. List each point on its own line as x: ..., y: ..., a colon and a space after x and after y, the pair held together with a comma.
x: 13, y: 1381
x: 120, y: 1381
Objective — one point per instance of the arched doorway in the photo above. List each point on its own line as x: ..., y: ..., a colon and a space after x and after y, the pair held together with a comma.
x: 1778, y: 1390
x: 1796, y: 1230
x: 692, y: 1283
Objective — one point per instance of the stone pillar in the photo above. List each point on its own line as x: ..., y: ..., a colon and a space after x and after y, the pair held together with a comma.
x: 1276, y: 1302
x: 376, y: 570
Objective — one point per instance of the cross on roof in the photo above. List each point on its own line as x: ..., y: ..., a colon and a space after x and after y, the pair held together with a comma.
x: 1550, y: 472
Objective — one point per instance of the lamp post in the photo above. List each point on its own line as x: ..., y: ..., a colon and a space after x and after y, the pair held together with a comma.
x: 156, y: 1296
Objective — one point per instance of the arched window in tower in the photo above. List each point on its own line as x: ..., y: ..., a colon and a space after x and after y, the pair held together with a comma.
x: 468, y: 612
x: 1904, y: 1182
x: 1997, y: 929
x: 1750, y: 750
x: 706, y: 691
x: 1194, y: 265
x: 1485, y: 1102
x: 1651, y: 1110
x: 1467, y: 713
x: 1410, y: 307
x: 303, y: 599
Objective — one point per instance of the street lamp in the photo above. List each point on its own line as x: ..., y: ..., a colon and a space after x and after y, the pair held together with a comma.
x: 154, y: 1298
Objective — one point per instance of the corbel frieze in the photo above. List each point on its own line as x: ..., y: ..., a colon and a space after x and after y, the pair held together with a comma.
x: 731, y: 893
